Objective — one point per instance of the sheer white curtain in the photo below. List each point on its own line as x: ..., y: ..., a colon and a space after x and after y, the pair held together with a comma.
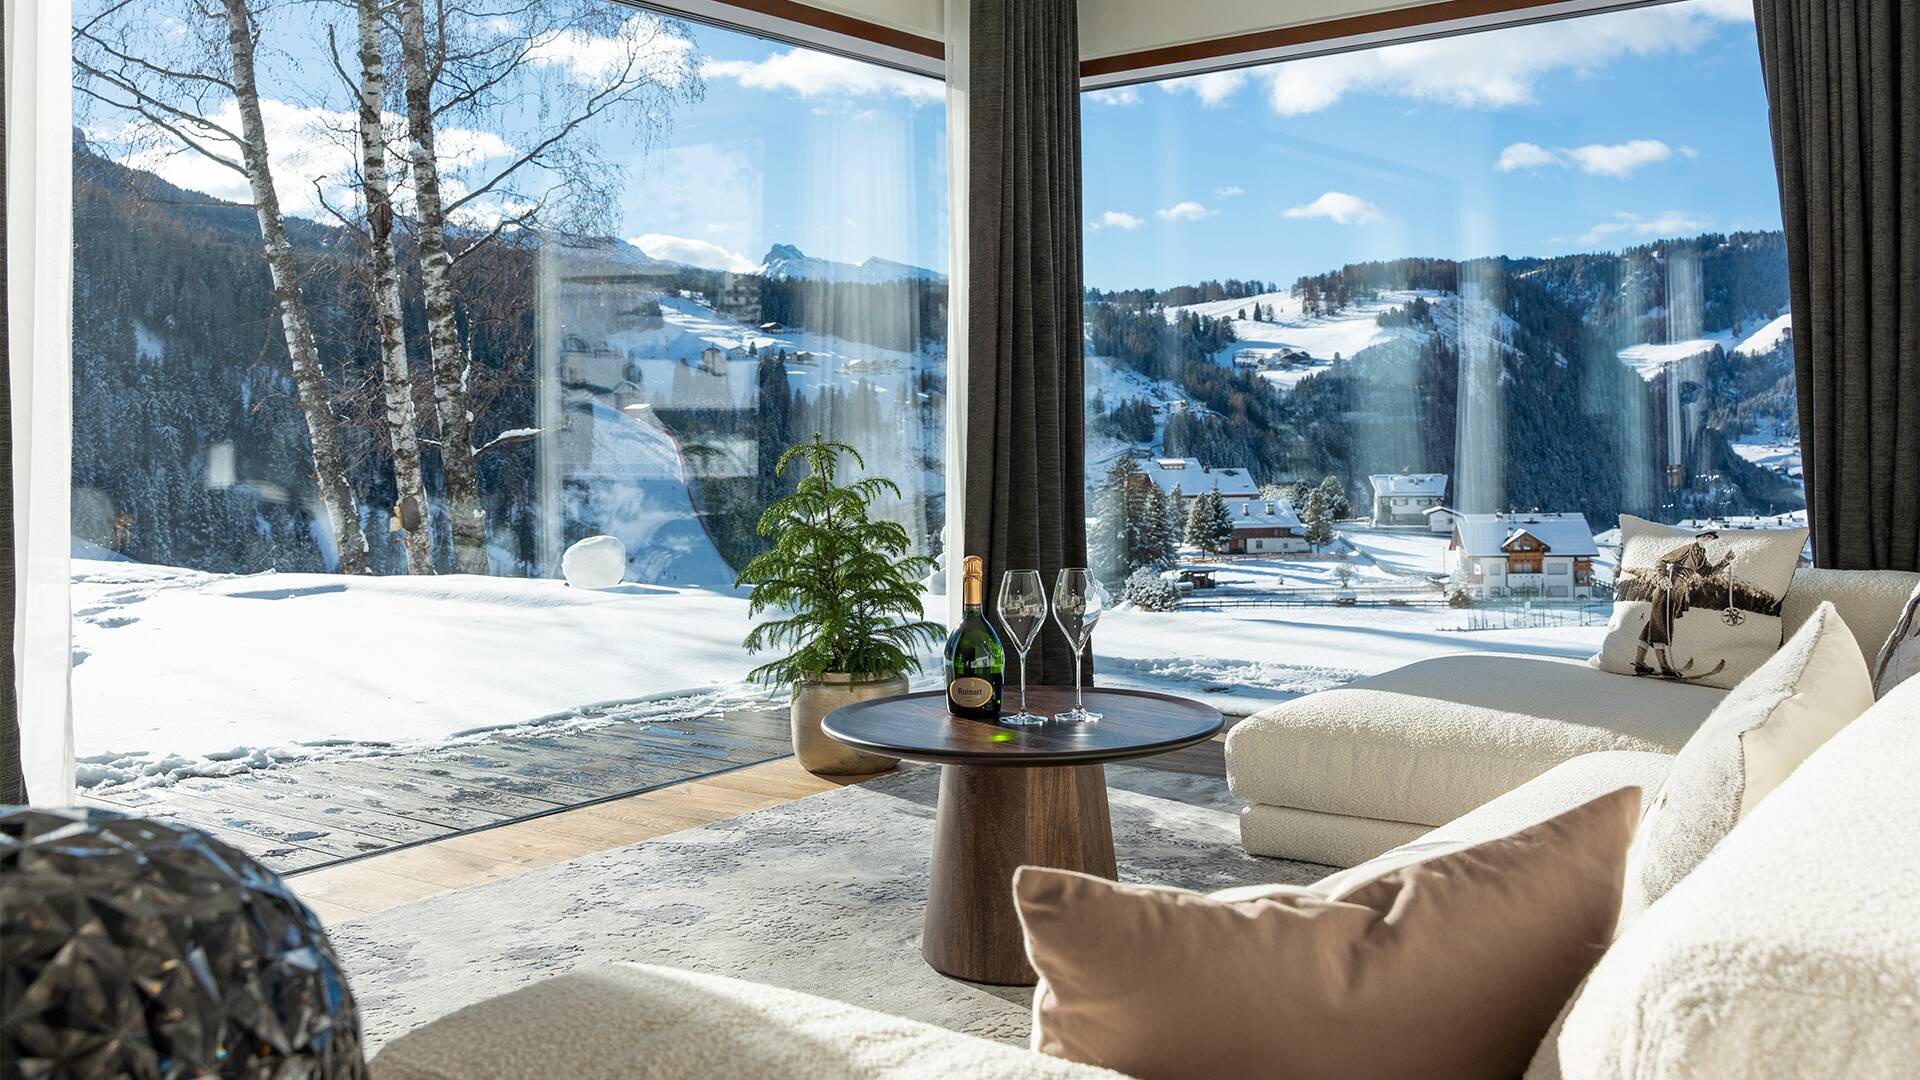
x: 957, y: 43
x: 39, y: 103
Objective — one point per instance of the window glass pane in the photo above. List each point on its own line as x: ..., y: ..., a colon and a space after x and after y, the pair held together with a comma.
x: 1534, y: 273
x: 670, y: 251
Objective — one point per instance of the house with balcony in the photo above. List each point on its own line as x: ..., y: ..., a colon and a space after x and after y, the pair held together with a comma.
x: 1547, y: 555
x: 1265, y: 527
x: 1403, y: 498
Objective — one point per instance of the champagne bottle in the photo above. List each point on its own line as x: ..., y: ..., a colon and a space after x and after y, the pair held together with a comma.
x: 976, y: 663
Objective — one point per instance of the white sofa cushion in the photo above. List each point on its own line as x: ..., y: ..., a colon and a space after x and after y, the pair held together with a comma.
x: 1793, y: 950
x: 1814, y: 686
x: 1870, y: 600
x: 1899, y: 658
x: 1559, y: 789
x: 640, y: 1022
x: 1427, y: 742
x: 1287, y: 832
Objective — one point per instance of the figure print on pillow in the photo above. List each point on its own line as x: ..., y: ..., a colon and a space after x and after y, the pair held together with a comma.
x: 1697, y: 607
x: 1677, y: 583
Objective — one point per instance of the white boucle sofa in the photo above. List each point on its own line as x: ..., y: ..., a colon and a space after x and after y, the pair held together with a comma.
x: 1343, y: 775
x: 1792, y: 951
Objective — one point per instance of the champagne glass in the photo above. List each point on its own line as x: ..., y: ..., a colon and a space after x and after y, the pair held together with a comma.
x: 1022, y: 607
x: 1078, y: 600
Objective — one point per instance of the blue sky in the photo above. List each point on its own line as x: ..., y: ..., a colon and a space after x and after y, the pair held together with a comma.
x: 1584, y: 134
x: 1613, y: 130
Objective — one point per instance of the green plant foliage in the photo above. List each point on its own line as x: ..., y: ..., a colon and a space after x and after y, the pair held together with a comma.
x: 849, y: 591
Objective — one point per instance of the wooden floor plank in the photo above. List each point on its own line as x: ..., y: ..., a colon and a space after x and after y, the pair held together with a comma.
x: 370, y: 784
x: 321, y: 807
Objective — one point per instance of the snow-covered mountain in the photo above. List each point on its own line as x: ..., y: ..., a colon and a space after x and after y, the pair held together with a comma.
x: 788, y: 261
x: 1651, y: 360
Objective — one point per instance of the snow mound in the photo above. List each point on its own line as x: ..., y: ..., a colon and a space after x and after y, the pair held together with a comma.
x: 598, y: 562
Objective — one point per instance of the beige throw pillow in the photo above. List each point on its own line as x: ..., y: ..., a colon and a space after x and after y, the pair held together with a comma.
x: 1816, y: 684
x: 1900, y: 656
x: 1453, y: 966
x: 1697, y: 607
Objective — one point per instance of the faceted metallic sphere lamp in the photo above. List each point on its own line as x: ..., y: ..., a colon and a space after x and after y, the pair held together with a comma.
x: 133, y: 948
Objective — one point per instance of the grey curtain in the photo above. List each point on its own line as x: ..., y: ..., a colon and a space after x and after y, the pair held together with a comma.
x: 13, y: 785
x: 1843, y: 94
x: 1025, y: 505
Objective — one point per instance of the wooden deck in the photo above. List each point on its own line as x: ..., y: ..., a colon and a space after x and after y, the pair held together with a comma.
x: 301, y: 817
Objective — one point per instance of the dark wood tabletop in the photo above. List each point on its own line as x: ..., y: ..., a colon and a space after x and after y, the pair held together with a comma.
x: 1134, y: 723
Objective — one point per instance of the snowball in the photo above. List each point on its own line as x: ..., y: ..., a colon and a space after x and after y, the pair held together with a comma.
x: 598, y: 562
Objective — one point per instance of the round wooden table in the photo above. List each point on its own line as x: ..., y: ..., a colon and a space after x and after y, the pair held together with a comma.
x: 1014, y: 796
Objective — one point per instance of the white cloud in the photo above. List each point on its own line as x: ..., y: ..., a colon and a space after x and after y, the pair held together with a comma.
x: 645, y: 44
x: 308, y: 146
x: 1689, y: 152
x: 1620, y: 159
x: 1339, y: 208
x: 1630, y: 226
x: 1212, y: 88
x: 814, y: 74
x: 1187, y: 210
x: 1119, y: 95
x: 1229, y: 192
x: 1472, y: 71
x: 1115, y: 219
x: 1526, y: 155
x: 1599, y: 159
x: 693, y: 252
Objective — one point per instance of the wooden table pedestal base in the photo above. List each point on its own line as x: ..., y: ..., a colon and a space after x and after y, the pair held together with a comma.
x: 992, y: 820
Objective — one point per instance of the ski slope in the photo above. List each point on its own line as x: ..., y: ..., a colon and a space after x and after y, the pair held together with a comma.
x: 1652, y: 360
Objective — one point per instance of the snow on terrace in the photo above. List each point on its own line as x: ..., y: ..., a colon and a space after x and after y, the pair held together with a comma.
x: 227, y: 671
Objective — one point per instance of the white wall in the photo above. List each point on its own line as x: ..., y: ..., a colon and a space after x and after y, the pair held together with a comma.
x: 1109, y: 27
x: 927, y: 18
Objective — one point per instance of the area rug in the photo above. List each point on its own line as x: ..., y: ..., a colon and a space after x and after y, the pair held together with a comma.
x: 823, y: 895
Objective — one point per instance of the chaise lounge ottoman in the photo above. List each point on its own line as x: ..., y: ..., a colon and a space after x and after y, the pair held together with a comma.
x: 1340, y: 776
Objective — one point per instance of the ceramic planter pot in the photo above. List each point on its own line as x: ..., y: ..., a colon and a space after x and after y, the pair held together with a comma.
x: 814, y: 699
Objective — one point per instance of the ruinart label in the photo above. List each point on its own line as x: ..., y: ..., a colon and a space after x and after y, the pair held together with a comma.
x: 969, y: 692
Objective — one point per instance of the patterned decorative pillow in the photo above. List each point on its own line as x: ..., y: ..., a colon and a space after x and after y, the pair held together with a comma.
x: 1697, y: 607
x: 1900, y: 656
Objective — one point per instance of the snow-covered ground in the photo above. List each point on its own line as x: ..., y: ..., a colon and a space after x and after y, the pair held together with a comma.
x: 1409, y: 552
x: 1246, y: 658
x: 184, y: 673
x: 181, y: 671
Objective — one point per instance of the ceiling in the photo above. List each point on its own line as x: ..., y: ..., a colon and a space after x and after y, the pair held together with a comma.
x: 1113, y: 27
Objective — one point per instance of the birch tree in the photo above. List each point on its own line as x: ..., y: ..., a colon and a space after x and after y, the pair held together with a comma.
x: 181, y: 96
x: 396, y: 377
x: 583, y: 61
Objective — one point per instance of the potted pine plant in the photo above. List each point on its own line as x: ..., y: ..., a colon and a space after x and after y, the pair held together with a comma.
x: 847, y: 596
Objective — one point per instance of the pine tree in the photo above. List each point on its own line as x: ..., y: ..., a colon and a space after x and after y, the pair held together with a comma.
x: 1158, y: 540
x: 1144, y: 512
x: 1209, y: 525
x: 1196, y: 533
x: 1319, y: 524
x: 1107, y: 543
x: 1176, y: 522
x: 1335, y: 495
